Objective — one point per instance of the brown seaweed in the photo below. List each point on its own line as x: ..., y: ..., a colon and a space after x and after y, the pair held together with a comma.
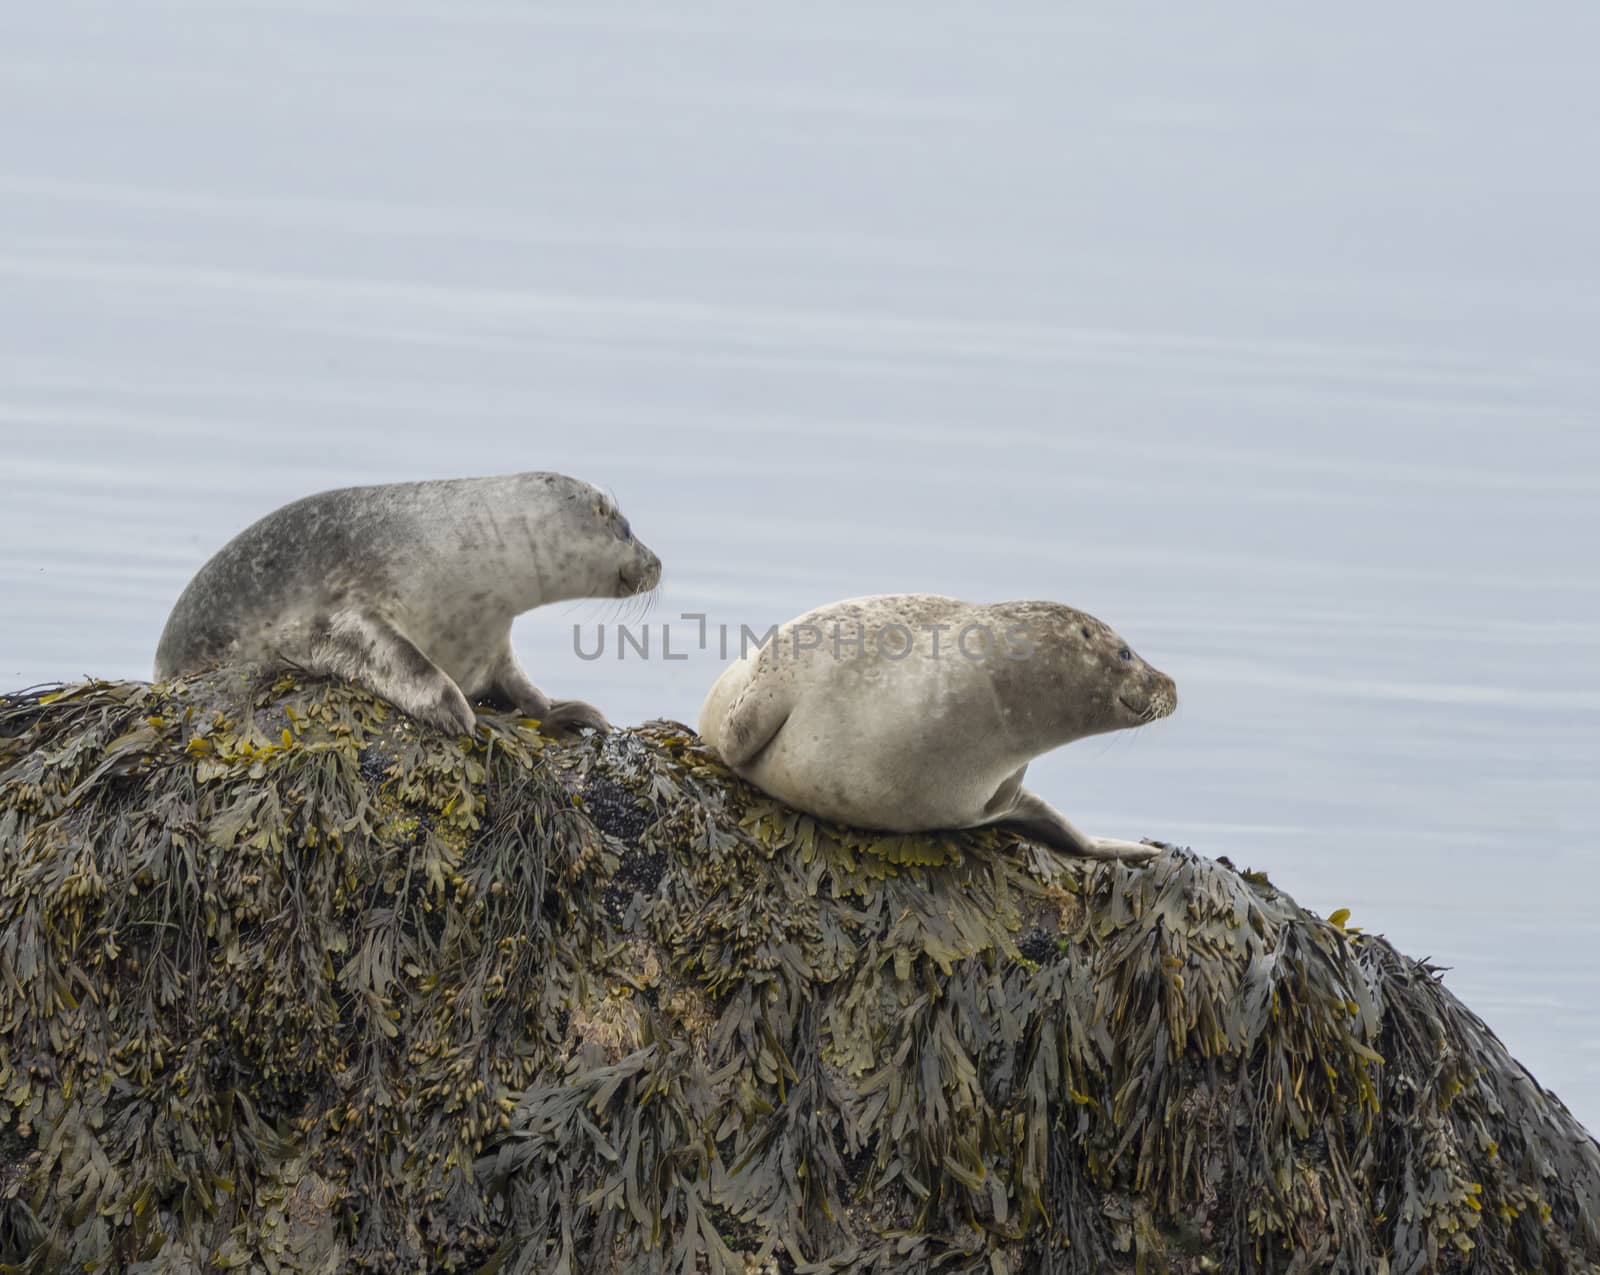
x: 287, y: 984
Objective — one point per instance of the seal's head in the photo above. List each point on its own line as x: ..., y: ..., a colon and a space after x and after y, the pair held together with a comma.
x: 1077, y: 676
x: 1121, y: 689
x: 616, y: 562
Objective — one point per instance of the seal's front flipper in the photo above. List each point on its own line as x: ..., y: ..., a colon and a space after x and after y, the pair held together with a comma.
x: 371, y: 652
x: 1037, y: 819
x: 752, y: 721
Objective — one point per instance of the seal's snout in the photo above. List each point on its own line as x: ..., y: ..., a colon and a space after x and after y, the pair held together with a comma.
x: 1164, y: 699
x: 639, y: 576
x: 1151, y: 697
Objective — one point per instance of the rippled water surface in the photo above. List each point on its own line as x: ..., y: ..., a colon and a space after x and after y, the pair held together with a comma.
x: 1267, y: 337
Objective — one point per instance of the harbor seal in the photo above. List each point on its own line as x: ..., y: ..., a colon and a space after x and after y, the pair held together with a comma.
x: 409, y: 590
x: 913, y: 712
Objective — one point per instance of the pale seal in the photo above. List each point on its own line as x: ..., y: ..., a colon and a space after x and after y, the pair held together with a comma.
x: 914, y: 712
x: 409, y: 590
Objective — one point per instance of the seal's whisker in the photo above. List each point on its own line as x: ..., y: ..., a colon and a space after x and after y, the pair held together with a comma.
x: 595, y: 607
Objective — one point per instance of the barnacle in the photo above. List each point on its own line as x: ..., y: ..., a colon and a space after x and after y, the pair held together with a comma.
x: 288, y: 983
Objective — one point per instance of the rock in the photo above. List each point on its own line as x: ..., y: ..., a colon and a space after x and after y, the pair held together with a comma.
x: 288, y: 983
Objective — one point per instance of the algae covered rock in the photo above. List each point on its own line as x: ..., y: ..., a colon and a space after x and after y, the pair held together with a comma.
x: 288, y: 984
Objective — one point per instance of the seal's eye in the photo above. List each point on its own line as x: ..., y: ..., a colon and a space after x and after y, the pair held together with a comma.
x: 623, y: 529
x: 1085, y: 633
x: 1125, y: 654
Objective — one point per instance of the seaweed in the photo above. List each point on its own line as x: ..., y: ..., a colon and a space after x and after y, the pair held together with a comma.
x: 288, y: 983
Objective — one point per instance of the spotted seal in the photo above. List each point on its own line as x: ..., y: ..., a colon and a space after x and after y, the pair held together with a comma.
x: 914, y: 712
x: 409, y: 590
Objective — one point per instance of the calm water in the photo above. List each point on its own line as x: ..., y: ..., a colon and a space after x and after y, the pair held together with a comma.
x: 1268, y: 339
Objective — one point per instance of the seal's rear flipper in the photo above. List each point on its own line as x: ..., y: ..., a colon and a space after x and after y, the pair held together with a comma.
x: 511, y: 682
x: 568, y: 714
x: 1123, y: 851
